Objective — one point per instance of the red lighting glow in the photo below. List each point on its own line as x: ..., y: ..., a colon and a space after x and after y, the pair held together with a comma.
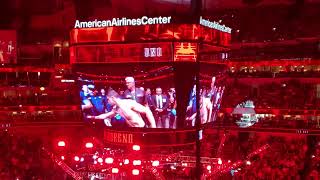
x: 155, y: 163
x: 136, y: 162
x: 61, y: 144
x: 109, y: 160
x: 135, y: 172
x: 89, y: 145
x: 76, y: 158
x: 115, y: 170
x: 62, y: 157
x: 136, y: 147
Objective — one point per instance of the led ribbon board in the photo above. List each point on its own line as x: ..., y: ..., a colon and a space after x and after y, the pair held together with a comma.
x: 144, y: 20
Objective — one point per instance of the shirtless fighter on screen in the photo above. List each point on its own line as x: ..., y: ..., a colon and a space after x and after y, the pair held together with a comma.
x: 129, y: 109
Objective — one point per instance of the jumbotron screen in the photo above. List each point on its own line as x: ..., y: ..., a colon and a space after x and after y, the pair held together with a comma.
x: 129, y: 95
x: 212, y: 92
x: 8, y: 46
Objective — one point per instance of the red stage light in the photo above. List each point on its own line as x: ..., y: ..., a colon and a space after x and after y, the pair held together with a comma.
x: 61, y: 144
x: 76, y: 158
x: 115, y: 170
x: 108, y: 160
x: 208, y: 167
x: 82, y: 159
x: 155, y: 163
x: 136, y: 147
x: 89, y: 145
x: 248, y: 163
x: 62, y: 157
x: 219, y: 161
x: 126, y: 161
x: 135, y: 172
x: 100, y: 160
x: 136, y: 162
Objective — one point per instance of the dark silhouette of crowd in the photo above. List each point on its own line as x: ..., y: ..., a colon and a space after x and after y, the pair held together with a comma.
x: 22, y: 158
x: 286, y: 156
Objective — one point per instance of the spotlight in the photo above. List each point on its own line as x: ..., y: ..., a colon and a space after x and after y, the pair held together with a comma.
x: 115, y: 170
x: 62, y: 157
x: 208, y: 167
x: 136, y: 147
x: 126, y: 161
x: 248, y: 163
x: 76, y: 158
x: 136, y: 162
x: 82, y: 159
x: 100, y: 160
x: 135, y: 172
x: 61, y: 144
x: 219, y: 161
x: 89, y: 145
x: 108, y: 160
x: 155, y: 163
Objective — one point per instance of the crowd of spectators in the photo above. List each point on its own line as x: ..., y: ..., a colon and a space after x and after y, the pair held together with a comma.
x: 285, y: 157
x: 291, y: 94
x: 22, y: 158
x: 40, y: 99
x: 271, y: 121
x: 269, y: 74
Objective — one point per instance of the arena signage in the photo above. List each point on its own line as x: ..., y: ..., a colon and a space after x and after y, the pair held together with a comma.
x: 124, y: 138
x: 153, y: 52
x: 144, y: 20
x: 214, y: 25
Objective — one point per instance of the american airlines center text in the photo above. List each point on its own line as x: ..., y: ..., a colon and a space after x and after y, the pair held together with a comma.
x: 214, y: 25
x: 123, y: 22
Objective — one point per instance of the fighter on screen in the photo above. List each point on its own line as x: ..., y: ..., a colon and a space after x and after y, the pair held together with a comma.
x: 192, y: 108
x: 6, y: 51
x: 209, y: 104
x: 1, y: 56
x: 215, y: 95
x: 129, y: 109
x: 1, y: 51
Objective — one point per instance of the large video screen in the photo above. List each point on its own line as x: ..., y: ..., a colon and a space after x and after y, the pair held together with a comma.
x: 129, y: 95
x: 211, y: 93
x: 8, y: 46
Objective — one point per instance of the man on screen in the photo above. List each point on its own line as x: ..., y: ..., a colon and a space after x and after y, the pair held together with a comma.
x: 129, y: 109
x: 160, y: 103
x: 134, y: 93
x: 149, y: 99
